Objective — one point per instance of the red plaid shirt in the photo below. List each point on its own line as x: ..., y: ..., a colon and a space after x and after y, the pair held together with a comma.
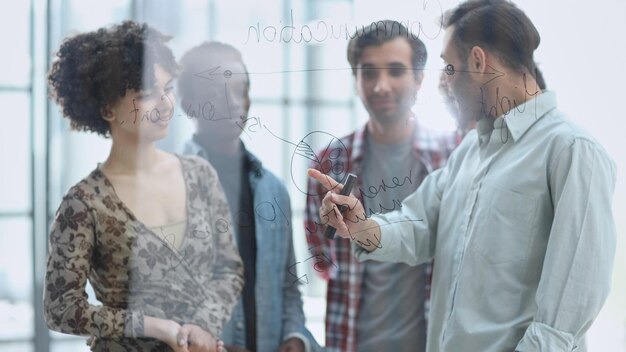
x: 334, y: 258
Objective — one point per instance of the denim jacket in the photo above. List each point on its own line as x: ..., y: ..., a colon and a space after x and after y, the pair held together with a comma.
x: 278, y: 301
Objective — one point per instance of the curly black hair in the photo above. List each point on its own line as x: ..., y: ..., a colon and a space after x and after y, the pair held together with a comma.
x: 95, y: 69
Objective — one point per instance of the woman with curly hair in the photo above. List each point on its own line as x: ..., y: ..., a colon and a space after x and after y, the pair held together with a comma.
x: 148, y: 229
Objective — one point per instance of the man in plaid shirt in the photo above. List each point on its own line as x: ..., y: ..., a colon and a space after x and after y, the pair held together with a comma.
x: 374, y: 306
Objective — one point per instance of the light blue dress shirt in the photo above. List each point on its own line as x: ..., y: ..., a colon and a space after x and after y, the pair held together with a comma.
x: 521, y: 226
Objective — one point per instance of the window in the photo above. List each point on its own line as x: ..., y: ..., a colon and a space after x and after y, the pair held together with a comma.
x: 301, y: 83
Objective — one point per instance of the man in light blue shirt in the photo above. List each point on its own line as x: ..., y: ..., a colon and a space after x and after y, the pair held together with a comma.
x: 519, y: 220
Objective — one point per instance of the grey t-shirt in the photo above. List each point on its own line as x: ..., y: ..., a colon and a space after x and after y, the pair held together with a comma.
x: 391, y: 315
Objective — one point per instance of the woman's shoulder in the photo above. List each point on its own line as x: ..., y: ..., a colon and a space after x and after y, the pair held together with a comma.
x: 89, y: 187
x: 86, y: 194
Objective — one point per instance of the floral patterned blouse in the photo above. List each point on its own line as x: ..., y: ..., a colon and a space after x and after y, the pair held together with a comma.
x: 133, y: 271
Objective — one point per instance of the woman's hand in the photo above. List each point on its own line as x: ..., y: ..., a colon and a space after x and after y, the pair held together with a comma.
x: 166, y: 331
x: 198, y: 339
x: 294, y: 344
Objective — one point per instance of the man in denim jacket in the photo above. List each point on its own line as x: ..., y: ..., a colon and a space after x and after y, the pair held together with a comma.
x: 214, y: 88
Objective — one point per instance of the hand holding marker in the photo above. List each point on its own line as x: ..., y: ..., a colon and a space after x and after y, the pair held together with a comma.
x: 347, y: 188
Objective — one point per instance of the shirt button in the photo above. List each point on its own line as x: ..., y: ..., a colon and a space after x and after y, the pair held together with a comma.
x: 240, y: 325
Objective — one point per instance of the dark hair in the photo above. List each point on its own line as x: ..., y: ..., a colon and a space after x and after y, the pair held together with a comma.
x: 201, y: 58
x: 381, y: 32
x: 499, y: 26
x: 95, y: 69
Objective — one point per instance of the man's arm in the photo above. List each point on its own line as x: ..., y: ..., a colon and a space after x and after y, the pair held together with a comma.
x: 407, y: 235
x: 576, y: 275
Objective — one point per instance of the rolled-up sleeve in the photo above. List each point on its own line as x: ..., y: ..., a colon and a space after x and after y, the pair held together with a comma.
x: 576, y: 274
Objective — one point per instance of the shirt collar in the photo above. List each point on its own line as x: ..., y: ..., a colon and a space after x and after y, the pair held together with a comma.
x: 519, y: 119
x: 423, y: 141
